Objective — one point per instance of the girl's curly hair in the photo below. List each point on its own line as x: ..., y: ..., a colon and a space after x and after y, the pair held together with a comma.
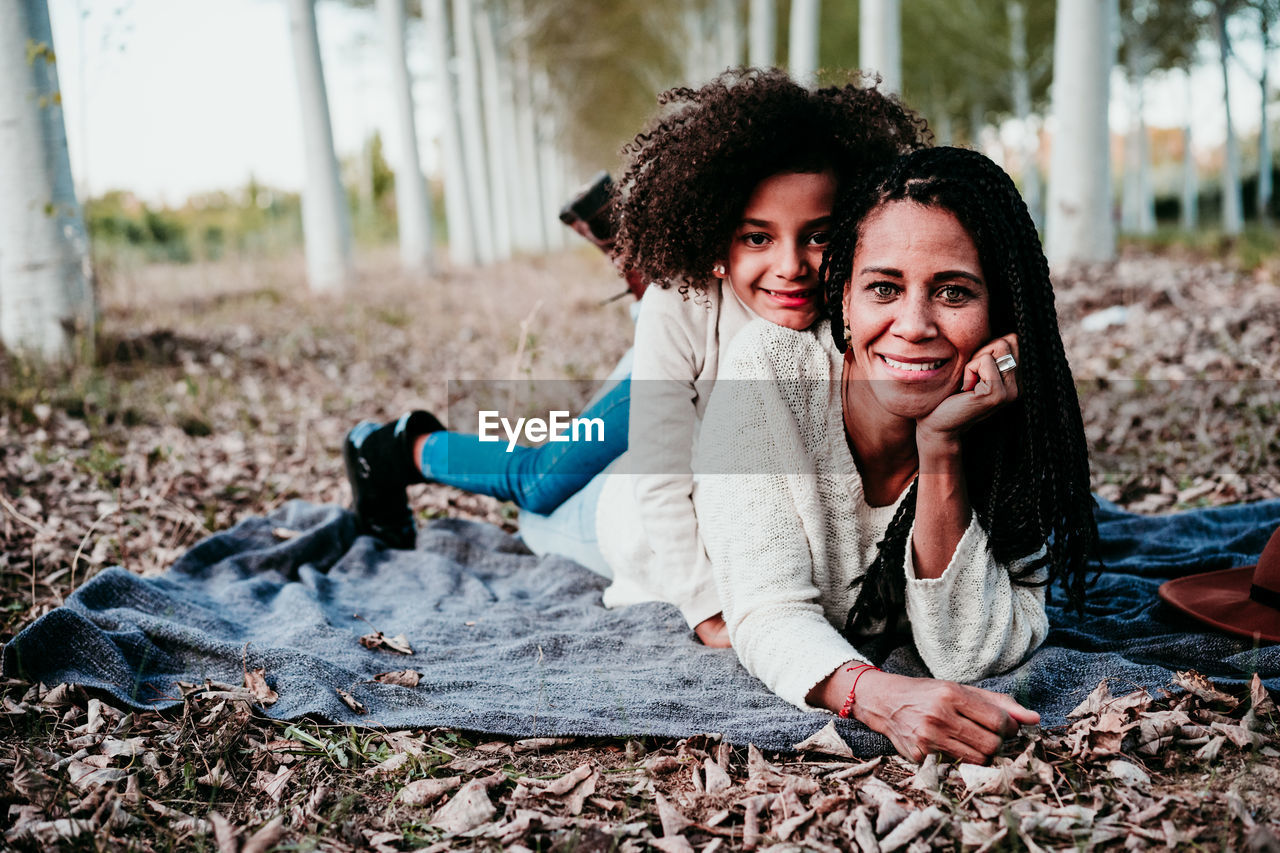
x: 689, y: 174
x: 1027, y: 466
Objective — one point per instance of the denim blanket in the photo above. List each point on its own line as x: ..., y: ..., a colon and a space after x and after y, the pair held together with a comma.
x: 512, y: 644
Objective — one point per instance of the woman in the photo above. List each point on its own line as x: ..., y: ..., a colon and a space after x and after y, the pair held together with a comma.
x: 920, y: 464
x: 726, y: 204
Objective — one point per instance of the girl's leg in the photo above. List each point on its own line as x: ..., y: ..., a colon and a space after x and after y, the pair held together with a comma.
x: 537, y: 479
x: 570, y: 530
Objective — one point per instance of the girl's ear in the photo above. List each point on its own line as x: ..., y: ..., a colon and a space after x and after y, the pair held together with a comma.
x: 719, y: 270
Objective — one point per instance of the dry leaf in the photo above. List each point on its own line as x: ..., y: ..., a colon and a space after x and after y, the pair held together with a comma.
x: 1202, y: 688
x: 567, y: 782
x: 400, y: 677
x: 390, y: 765
x: 673, y: 823
x: 351, y: 702
x: 266, y: 837
x: 827, y: 741
x: 537, y: 744
x: 717, y: 781
x: 468, y: 808
x: 256, y: 681
x: 379, y: 640
x: 1128, y: 773
x: 912, y: 826
x: 1093, y: 703
x: 422, y: 792
x: 1262, y: 708
x: 672, y: 844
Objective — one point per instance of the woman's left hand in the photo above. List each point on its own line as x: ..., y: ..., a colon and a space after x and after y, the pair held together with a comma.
x: 984, y: 390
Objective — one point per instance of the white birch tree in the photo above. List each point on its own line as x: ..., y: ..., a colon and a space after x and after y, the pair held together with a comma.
x: 472, y: 126
x: 802, y: 41
x: 326, y: 221
x: 1189, y: 214
x: 457, y: 199
x: 497, y: 128
x: 413, y: 204
x: 729, y: 32
x: 1078, y: 223
x: 1232, y: 204
x: 46, y: 301
x: 762, y: 47
x: 1020, y: 85
x: 533, y: 208
x: 880, y: 41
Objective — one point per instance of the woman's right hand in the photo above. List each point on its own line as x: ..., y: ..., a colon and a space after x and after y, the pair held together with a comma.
x: 924, y: 715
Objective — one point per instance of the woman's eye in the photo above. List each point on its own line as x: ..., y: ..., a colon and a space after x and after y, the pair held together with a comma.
x: 755, y: 239
x: 883, y: 290
x: 821, y: 238
x: 954, y: 293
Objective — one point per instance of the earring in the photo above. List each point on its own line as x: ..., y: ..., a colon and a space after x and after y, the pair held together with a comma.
x: 718, y: 270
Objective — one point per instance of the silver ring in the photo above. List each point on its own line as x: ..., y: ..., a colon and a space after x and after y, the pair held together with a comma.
x: 1006, y: 362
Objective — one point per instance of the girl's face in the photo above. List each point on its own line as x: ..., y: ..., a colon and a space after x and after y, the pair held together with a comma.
x: 917, y: 306
x: 776, y: 250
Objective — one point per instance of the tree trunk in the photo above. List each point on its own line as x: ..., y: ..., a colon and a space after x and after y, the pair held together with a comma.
x: 533, y: 206
x: 1190, y: 213
x: 413, y: 204
x: 1232, y: 206
x: 762, y: 52
x: 1078, y: 224
x: 326, y: 221
x: 802, y: 44
x: 457, y: 200
x: 729, y: 32
x: 1137, y: 213
x: 473, y: 147
x: 497, y: 134
x: 46, y: 301
x: 1029, y: 149
x: 1264, y: 129
x: 550, y: 191
x: 880, y: 41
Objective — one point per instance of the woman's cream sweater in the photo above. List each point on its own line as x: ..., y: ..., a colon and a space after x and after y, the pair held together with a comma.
x: 782, y: 515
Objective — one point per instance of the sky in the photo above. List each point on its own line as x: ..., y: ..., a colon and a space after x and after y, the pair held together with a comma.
x: 167, y: 98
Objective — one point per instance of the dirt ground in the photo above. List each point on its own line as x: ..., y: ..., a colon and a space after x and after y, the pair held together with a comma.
x: 222, y: 391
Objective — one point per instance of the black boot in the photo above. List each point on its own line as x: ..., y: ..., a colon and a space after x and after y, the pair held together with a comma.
x: 380, y: 464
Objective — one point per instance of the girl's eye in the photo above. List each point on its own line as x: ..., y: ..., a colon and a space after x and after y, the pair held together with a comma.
x: 755, y: 239
x: 821, y: 238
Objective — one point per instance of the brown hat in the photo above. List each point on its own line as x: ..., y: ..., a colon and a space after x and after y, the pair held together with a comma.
x: 1244, y: 601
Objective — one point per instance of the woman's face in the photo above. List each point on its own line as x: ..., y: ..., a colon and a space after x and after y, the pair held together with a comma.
x: 917, y: 306
x: 776, y: 250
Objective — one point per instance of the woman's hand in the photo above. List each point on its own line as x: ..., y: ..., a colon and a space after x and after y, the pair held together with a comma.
x: 983, y: 390
x: 923, y: 715
x: 713, y: 632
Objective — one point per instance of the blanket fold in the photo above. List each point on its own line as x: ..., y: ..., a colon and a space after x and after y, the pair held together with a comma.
x: 513, y: 644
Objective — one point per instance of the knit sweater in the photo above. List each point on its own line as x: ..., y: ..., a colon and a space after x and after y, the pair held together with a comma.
x: 645, y: 520
x: 784, y: 519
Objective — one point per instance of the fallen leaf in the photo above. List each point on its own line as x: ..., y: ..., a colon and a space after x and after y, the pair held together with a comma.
x: 1093, y: 703
x: 351, y: 702
x: 379, y: 640
x: 399, y: 677
x: 390, y: 765
x: 266, y: 837
x: 827, y: 741
x: 914, y: 824
x: 422, y: 792
x: 1202, y: 688
x: 717, y: 781
x: 1262, y: 708
x: 256, y: 681
x: 1128, y: 773
x: 567, y: 782
x: 672, y: 844
x: 537, y: 744
x: 467, y: 809
x: 673, y: 823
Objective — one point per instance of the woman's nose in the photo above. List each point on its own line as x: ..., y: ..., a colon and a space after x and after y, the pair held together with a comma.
x: 914, y: 320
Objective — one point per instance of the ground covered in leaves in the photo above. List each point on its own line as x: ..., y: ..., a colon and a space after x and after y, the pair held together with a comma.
x: 223, y: 390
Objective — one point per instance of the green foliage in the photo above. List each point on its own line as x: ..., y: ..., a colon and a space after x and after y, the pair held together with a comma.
x: 254, y: 221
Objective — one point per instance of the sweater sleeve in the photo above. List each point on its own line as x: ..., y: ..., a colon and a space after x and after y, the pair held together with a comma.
x: 751, y: 500
x: 660, y: 443
x: 973, y: 621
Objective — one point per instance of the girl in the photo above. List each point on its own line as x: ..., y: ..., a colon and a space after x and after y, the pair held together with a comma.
x: 725, y: 204
x: 920, y: 463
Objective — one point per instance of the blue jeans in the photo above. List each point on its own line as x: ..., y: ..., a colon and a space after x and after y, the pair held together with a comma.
x: 537, y: 479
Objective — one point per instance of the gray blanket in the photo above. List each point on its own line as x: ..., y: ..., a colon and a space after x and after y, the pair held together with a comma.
x: 513, y: 644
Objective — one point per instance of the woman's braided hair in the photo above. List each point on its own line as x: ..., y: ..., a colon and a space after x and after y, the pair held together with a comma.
x: 689, y: 174
x: 1027, y: 466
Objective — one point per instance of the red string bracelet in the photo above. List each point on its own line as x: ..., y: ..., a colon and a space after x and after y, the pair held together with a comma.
x: 847, y: 707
